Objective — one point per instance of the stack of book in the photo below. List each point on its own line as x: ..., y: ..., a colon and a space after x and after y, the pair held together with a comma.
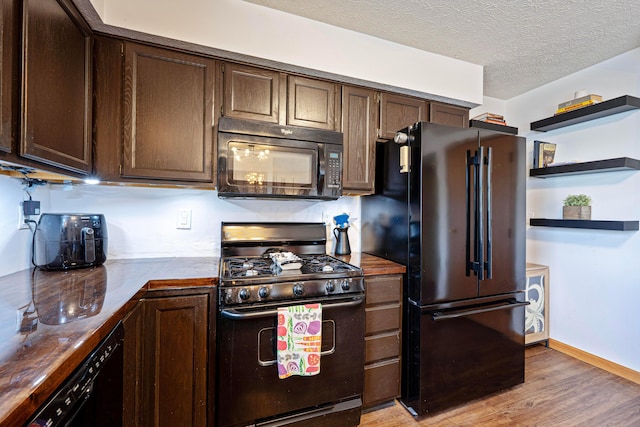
x: 491, y: 118
x: 580, y: 102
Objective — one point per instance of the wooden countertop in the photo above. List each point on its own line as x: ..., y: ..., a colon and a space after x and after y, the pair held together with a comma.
x: 34, y: 363
x: 372, y: 265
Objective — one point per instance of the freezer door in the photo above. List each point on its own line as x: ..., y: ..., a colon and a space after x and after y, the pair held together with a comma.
x: 463, y: 354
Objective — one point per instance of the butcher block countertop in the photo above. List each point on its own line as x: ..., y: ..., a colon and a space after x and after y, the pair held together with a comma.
x: 34, y: 363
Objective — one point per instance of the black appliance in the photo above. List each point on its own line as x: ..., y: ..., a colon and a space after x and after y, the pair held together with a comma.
x: 65, y: 241
x: 263, y: 160
x: 450, y: 205
x: 252, y: 286
x: 92, y: 395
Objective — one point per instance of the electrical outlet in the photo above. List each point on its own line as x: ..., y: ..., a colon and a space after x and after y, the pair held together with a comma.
x: 21, y: 218
x: 184, y: 219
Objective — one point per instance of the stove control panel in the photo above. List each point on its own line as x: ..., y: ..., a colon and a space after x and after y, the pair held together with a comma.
x: 231, y: 294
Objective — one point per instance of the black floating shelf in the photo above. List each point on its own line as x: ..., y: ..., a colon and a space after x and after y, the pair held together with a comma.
x: 608, y: 165
x: 595, y: 111
x: 581, y: 223
x: 492, y: 126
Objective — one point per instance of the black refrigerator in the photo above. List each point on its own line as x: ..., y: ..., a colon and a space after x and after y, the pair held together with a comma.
x: 449, y: 204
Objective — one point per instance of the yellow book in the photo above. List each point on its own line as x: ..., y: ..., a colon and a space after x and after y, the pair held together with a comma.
x: 591, y: 97
x: 576, y: 106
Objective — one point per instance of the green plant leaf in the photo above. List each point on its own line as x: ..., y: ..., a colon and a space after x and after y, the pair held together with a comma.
x: 577, y: 200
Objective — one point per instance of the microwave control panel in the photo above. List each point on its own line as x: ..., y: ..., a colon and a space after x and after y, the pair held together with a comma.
x: 334, y: 169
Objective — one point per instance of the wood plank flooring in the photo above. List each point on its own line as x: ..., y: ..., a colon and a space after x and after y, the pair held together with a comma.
x: 559, y: 390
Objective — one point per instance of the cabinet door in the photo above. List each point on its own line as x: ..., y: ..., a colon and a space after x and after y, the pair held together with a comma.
x: 8, y: 53
x: 108, y: 107
x: 312, y: 103
x: 56, y: 116
x: 359, y: 122
x: 168, y: 117
x: 448, y: 115
x: 398, y: 111
x: 251, y: 93
x: 175, y: 361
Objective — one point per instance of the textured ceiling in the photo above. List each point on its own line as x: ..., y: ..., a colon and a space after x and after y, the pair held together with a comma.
x: 522, y: 44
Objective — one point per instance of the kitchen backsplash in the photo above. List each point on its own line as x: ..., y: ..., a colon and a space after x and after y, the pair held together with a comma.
x: 142, y: 221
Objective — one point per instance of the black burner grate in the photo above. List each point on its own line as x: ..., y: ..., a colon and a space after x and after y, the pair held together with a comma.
x: 323, y: 264
x: 249, y: 267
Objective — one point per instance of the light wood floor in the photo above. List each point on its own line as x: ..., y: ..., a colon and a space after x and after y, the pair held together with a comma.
x: 558, y: 391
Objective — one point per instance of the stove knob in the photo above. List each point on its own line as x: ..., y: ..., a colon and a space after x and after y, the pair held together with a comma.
x: 298, y: 289
x: 244, y: 294
x: 330, y: 287
x: 263, y: 292
x: 345, y: 285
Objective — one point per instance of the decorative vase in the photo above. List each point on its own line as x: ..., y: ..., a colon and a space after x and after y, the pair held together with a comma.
x: 576, y: 212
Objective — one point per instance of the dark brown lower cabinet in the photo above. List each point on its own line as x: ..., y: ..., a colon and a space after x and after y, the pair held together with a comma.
x: 382, y: 339
x: 167, y: 358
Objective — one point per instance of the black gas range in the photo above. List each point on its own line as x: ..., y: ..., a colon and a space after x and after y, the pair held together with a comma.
x: 267, y: 267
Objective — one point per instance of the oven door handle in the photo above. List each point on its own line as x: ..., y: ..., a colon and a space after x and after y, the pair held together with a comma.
x: 322, y: 353
x: 230, y: 313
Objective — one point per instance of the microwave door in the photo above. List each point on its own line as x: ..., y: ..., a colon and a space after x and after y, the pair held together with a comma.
x: 278, y: 170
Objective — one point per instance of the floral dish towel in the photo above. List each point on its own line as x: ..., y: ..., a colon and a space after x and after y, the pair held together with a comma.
x: 299, y: 340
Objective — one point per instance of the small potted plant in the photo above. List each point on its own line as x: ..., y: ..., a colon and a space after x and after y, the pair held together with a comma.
x: 576, y: 206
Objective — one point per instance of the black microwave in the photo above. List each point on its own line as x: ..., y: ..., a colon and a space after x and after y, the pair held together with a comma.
x: 263, y: 160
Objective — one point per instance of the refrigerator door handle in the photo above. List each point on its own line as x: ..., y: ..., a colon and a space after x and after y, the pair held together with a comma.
x: 470, y: 262
x: 437, y: 316
x: 488, y: 264
x: 480, y: 214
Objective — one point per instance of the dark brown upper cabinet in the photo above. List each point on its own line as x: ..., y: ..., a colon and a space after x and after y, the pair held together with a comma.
x: 448, y: 115
x: 270, y: 96
x: 56, y: 85
x: 312, y: 103
x: 8, y: 73
x: 168, y: 115
x: 251, y: 93
x: 398, y: 112
x: 359, y: 126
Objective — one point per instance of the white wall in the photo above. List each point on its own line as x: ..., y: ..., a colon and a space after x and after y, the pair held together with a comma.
x: 141, y: 221
x: 15, y: 244
x: 246, y: 28
x: 491, y: 105
x: 595, y: 280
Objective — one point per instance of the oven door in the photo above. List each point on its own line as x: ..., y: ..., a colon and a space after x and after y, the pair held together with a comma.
x: 249, y: 389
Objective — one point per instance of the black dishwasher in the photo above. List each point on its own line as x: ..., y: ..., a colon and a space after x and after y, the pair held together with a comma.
x: 92, y: 395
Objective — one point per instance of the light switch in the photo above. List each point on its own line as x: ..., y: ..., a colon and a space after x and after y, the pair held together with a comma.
x: 184, y: 219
